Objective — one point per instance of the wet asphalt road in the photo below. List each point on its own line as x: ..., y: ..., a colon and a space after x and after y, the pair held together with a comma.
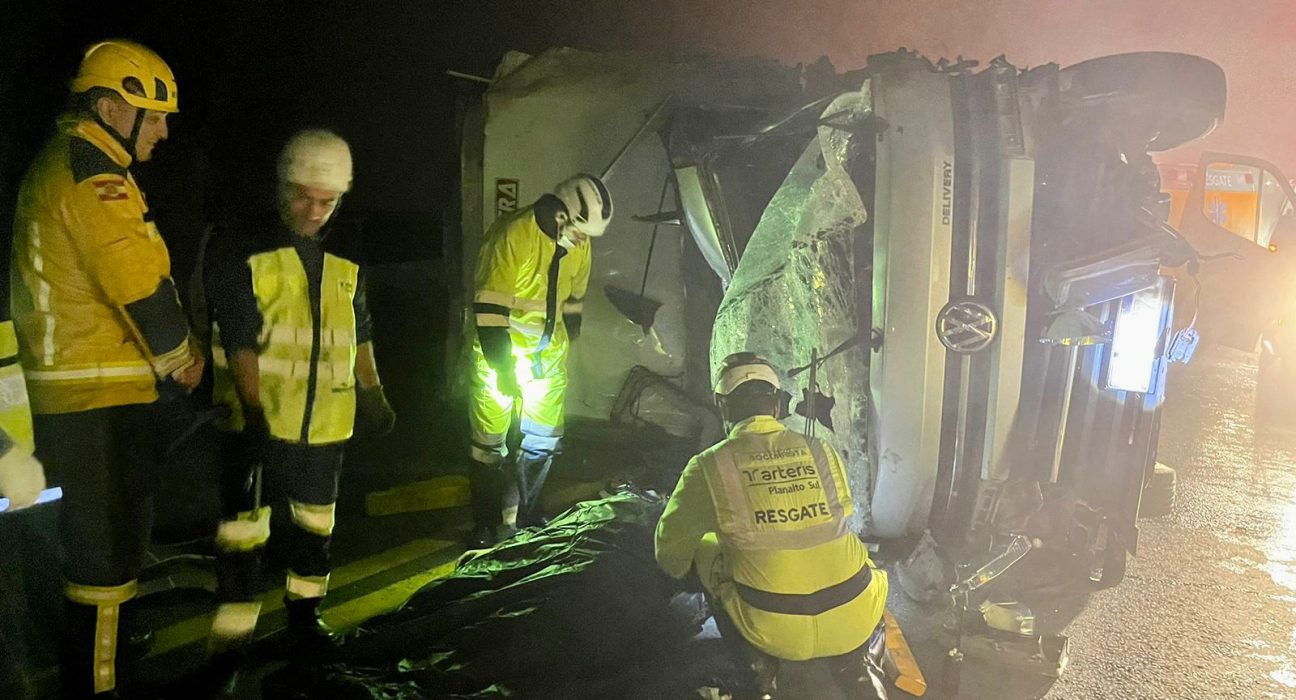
x: 1208, y: 607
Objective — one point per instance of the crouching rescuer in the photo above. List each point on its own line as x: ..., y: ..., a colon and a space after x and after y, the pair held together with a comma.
x: 531, y: 279
x: 295, y: 363
x: 761, y: 519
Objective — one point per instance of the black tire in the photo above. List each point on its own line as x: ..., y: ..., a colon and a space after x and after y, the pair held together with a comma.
x: 1181, y: 97
x: 1113, y: 564
x: 1158, y: 493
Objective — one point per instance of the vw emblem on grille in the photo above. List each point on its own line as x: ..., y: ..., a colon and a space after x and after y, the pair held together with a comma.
x: 966, y: 326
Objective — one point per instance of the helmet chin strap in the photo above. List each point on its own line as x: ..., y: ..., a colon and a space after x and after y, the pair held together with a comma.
x: 135, y: 132
x: 127, y: 142
x: 564, y: 225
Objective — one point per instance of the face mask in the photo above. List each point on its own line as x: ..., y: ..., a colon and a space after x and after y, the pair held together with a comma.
x: 565, y: 242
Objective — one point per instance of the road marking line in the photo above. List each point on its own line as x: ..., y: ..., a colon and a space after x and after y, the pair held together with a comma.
x: 195, y: 628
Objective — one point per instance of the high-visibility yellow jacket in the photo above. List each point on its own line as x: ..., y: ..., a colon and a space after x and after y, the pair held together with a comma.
x: 15, y: 407
x: 528, y: 284
x: 301, y: 309
x: 794, y: 579
x: 96, y: 313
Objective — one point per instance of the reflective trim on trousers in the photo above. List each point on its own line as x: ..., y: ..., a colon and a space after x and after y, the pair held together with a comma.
x: 536, y: 446
x: 298, y: 587
x: 233, y: 621
x: 538, y: 429
x: 315, y: 519
x: 108, y: 601
x: 248, y: 530
x: 539, y: 439
x: 491, y: 456
x: 82, y: 594
x: 487, y: 448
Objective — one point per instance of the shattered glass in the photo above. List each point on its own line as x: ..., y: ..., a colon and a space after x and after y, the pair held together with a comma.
x: 795, y: 287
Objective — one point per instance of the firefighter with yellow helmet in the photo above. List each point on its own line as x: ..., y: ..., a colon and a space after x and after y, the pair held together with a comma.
x: 761, y: 519
x: 294, y: 360
x: 532, y: 274
x: 100, y: 329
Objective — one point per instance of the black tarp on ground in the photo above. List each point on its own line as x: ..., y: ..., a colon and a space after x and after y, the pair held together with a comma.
x: 578, y: 609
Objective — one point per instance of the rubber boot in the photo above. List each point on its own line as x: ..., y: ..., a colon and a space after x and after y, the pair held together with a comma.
x: 307, y: 631
x: 136, y: 639
x: 232, y: 635
x: 765, y: 668
x: 531, y: 470
x: 487, y: 488
x: 217, y: 678
x: 859, y: 673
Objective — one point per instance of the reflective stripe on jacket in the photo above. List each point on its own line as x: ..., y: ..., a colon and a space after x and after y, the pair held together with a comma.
x: 306, y: 364
x: 797, y: 583
x: 85, y: 248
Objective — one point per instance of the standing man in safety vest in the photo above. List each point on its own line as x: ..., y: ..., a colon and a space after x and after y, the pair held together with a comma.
x: 100, y: 330
x: 531, y: 278
x: 294, y: 361
x: 761, y: 519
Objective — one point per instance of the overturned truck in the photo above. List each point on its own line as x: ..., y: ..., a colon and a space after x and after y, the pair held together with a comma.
x: 964, y: 270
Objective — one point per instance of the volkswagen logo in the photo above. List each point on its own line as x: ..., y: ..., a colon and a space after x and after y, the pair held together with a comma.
x: 966, y: 326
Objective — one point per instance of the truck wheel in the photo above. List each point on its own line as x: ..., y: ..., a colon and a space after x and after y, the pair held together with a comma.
x: 1158, y: 493
x: 1176, y: 97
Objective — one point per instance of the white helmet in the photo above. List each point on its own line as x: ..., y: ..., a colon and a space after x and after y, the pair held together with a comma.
x: 316, y: 158
x: 588, y: 202
x: 742, y: 367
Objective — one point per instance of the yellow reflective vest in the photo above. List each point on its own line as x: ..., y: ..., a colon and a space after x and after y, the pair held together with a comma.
x: 793, y: 578
x: 519, y: 287
x: 306, y: 363
x: 85, y: 247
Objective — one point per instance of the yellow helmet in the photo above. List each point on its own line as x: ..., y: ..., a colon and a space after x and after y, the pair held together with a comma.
x: 111, y: 64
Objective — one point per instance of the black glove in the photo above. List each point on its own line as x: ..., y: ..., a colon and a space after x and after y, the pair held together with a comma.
x: 573, y: 323
x: 374, y: 416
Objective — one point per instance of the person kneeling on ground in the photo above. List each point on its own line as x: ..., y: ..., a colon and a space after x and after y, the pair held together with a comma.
x: 761, y: 519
